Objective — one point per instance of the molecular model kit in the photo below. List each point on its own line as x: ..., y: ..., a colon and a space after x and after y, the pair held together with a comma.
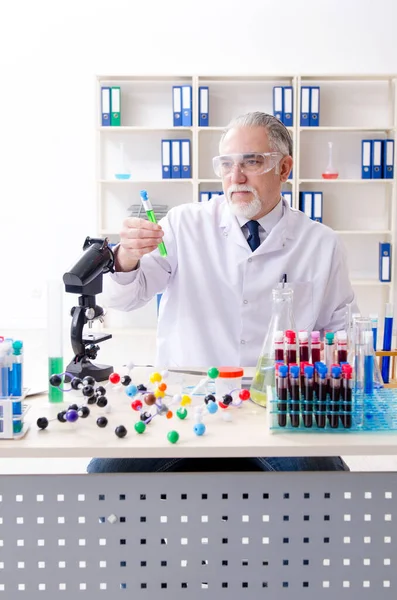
x: 147, y: 402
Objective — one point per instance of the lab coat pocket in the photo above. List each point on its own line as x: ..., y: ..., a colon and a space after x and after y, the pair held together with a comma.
x: 303, y: 305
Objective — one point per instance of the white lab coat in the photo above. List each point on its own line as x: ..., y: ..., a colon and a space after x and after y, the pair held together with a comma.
x: 217, y: 293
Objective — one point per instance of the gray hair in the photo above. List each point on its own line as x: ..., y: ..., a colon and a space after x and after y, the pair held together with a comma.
x: 279, y: 136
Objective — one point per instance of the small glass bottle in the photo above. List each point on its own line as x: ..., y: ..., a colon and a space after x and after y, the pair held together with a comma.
x: 330, y: 172
x: 282, y: 319
x: 124, y: 172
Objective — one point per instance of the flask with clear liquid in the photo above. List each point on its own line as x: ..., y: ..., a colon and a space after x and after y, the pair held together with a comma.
x: 263, y: 382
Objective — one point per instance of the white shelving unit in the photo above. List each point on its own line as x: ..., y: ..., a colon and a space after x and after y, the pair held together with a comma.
x: 352, y: 108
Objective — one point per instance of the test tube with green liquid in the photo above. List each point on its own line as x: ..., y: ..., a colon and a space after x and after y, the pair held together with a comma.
x: 55, y: 338
x: 147, y: 205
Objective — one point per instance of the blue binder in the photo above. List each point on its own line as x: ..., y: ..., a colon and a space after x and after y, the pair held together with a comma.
x: 384, y: 262
x: 176, y: 159
x: 203, y: 106
x: 205, y: 196
x: 187, y: 105
x: 314, y: 106
x: 278, y: 110
x: 305, y: 106
x: 288, y: 106
x: 177, y: 105
x: 186, y: 169
x: 317, y: 209
x: 306, y: 203
x: 388, y: 159
x: 105, y: 106
x: 376, y: 159
x: 366, y: 159
x: 166, y: 159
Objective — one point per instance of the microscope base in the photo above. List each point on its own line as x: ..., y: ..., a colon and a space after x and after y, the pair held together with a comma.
x: 82, y: 369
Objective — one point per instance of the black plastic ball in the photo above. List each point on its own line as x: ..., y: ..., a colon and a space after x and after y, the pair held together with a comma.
x: 120, y: 431
x: 141, y: 388
x: 42, y: 422
x: 125, y: 380
x: 76, y: 383
x: 61, y: 416
x: 100, y: 390
x: 84, y: 412
x: 88, y: 380
x: 209, y: 398
x: 55, y: 380
x: 227, y: 399
x: 88, y: 391
x: 101, y: 421
x: 73, y: 407
x: 92, y: 400
x: 101, y: 401
x: 145, y: 416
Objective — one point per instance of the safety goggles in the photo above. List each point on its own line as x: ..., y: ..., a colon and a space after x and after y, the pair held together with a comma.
x: 249, y: 163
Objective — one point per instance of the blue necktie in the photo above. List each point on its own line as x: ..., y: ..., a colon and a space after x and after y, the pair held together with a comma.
x: 253, y: 238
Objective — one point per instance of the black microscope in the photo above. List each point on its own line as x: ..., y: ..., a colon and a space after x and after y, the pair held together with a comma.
x: 85, y: 278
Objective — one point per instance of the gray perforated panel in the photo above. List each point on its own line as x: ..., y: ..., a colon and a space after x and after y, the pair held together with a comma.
x: 236, y: 536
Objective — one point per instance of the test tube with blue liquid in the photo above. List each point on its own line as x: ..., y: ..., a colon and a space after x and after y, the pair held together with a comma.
x: 387, y: 341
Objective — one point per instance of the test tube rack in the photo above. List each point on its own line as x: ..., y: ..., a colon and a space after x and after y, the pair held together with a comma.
x: 13, y: 411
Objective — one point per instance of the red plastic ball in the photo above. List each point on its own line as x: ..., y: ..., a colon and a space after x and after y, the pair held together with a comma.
x: 244, y: 395
x: 114, y: 378
x: 222, y: 405
x: 136, y: 405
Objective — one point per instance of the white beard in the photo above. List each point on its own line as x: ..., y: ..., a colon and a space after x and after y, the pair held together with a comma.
x: 248, y: 210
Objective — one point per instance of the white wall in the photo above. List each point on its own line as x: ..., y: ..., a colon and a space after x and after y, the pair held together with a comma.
x: 50, y: 53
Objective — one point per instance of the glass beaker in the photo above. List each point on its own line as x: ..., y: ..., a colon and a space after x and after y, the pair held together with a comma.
x: 263, y: 382
x: 123, y: 172
x: 367, y: 375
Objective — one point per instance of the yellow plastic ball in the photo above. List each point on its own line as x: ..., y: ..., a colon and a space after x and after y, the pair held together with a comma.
x: 159, y: 393
x: 186, y: 400
x: 155, y: 377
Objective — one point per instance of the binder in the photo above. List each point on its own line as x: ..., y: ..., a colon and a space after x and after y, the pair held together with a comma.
x: 215, y: 194
x: 306, y: 203
x: 384, y: 262
x: 314, y: 106
x: 177, y: 105
x: 204, y: 196
x: 291, y: 174
x: 388, y: 159
x: 288, y: 197
x: 176, y: 159
x: 187, y: 105
x: 317, y: 209
x: 186, y: 165
x: 105, y: 106
x: 166, y: 159
x: 288, y: 106
x: 376, y: 159
x: 203, y: 106
x: 115, y: 106
x: 278, y: 103
x: 305, y: 106
x: 366, y: 159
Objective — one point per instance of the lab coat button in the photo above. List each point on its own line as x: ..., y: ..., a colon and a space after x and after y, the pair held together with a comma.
x: 243, y: 341
x: 245, y: 301
x: 250, y: 260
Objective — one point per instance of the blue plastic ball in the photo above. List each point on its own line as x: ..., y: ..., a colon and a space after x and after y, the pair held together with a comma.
x: 131, y: 390
x: 212, y: 407
x: 199, y: 429
x: 72, y: 416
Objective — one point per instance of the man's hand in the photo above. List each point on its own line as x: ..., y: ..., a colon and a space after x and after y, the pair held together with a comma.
x: 137, y: 238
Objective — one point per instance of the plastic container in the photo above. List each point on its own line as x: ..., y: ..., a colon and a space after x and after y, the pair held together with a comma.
x: 228, y: 380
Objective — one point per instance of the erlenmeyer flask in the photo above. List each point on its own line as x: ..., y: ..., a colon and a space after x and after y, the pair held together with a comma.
x: 330, y: 172
x: 263, y: 383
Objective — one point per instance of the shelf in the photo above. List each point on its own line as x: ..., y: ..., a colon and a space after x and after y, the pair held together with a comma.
x: 291, y: 129
x: 131, y: 181
x: 370, y: 282
x: 126, y: 129
x: 358, y: 129
x: 363, y: 232
x: 377, y: 181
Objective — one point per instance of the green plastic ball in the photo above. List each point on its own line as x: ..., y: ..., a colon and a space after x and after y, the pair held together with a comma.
x: 181, y: 413
x: 140, y: 426
x: 213, y: 373
x: 173, y: 437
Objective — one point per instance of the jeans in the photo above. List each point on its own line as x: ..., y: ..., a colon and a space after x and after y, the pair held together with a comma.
x: 162, y: 465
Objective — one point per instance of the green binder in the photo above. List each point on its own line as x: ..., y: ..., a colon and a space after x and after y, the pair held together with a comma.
x: 115, y: 106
